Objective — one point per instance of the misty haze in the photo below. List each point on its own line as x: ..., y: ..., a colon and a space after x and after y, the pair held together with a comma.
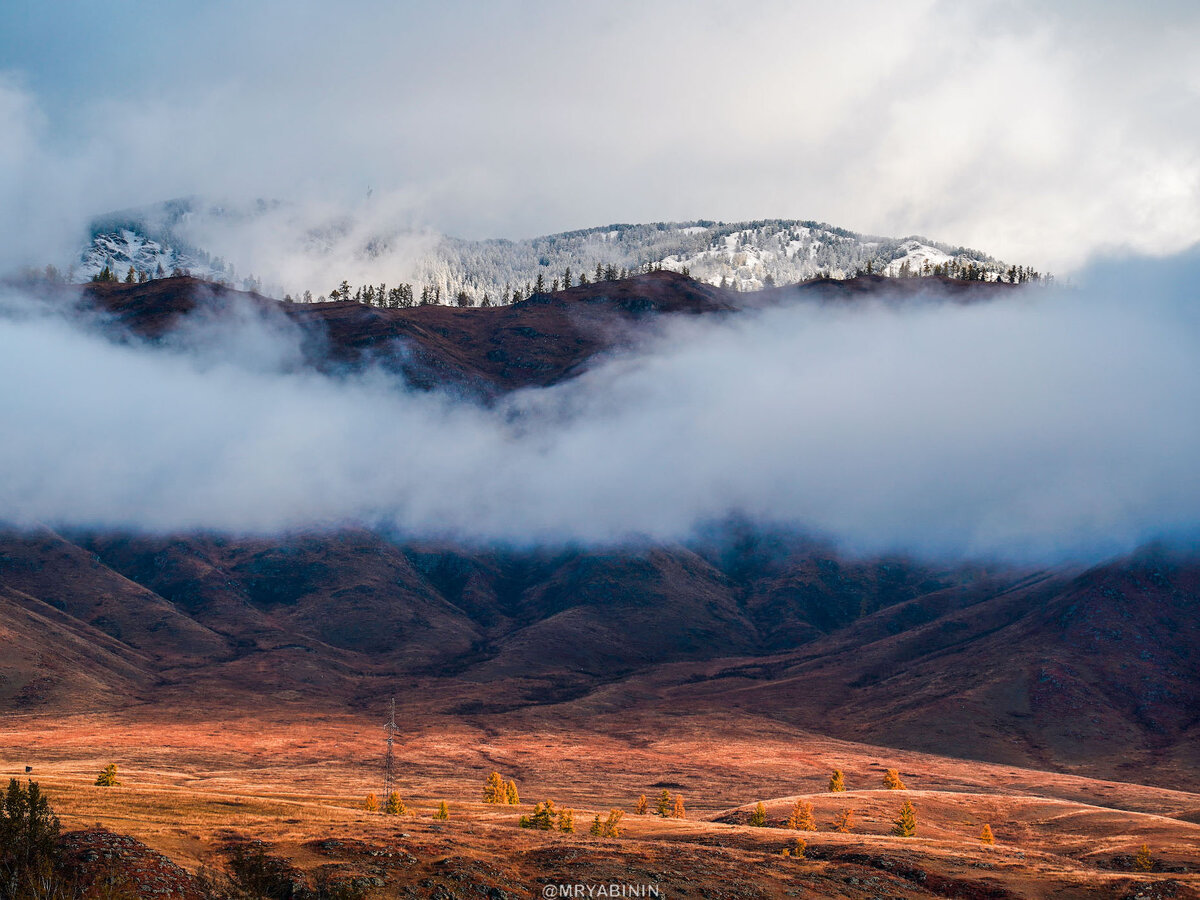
x: 631, y: 450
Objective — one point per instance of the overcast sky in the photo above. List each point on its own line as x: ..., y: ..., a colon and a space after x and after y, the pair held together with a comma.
x: 1039, y: 132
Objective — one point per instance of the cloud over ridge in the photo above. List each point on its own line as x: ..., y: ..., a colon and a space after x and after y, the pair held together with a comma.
x: 1043, y: 425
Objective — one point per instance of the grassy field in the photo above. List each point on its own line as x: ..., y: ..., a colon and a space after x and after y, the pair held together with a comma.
x: 297, y: 784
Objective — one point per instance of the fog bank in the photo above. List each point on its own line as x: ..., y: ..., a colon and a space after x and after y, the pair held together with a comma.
x: 1041, y: 426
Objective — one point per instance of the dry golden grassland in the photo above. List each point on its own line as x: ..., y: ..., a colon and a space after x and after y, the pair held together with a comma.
x: 190, y: 788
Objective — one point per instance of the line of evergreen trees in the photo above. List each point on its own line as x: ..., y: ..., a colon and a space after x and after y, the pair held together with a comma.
x: 402, y: 296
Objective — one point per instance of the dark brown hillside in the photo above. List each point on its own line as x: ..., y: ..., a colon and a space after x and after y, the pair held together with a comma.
x: 533, y: 343
x: 1094, y: 671
x: 1099, y: 669
x: 350, y: 592
x: 58, y: 573
x: 537, y: 342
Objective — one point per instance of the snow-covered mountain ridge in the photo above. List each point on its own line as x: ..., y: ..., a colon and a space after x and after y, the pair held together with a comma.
x: 744, y: 256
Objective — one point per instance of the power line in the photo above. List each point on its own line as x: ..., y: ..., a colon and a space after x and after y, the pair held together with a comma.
x: 389, y: 760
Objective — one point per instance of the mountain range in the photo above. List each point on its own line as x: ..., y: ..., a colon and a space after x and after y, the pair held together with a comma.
x: 172, y: 237
x: 1094, y: 670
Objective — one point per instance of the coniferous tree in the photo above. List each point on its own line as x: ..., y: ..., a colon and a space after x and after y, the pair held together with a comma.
x: 443, y: 811
x: 677, y: 811
x: 108, y: 778
x: 758, y: 818
x: 612, y: 825
x: 462, y: 299
x: 543, y: 817
x: 494, y: 789
x: 540, y: 286
x: 511, y: 797
x: 892, y: 781
x: 800, y: 848
x: 801, y: 818
x: 394, y: 806
x: 1144, y: 860
x: 664, y: 804
x: 985, y: 836
x: 371, y: 803
x: 844, y: 821
x: 29, y: 835
x: 597, y: 828
x: 583, y: 279
x: 837, y: 782
x: 642, y: 806
x: 905, y: 825
x: 566, y: 278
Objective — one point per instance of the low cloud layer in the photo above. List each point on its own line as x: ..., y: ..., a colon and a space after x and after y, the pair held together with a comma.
x: 1045, y: 425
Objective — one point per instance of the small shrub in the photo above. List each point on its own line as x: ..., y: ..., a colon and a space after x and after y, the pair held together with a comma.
x: 108, y: 778
x: 255, y: 873
x: 371, y: 804
x: 642, y: 806
x: 892, y: 781
x: 800, y: 848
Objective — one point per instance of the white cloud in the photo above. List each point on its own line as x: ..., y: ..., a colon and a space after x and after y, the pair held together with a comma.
x: 1047, y: 424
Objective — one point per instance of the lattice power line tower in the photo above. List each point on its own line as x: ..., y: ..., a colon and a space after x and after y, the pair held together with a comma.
x: 389, y: 760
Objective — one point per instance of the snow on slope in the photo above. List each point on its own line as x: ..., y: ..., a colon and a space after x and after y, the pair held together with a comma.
x: 743, y: 256
x: 119, y: 250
